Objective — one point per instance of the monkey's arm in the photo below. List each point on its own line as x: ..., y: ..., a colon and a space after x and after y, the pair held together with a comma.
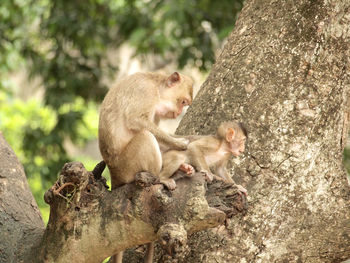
x: 197, y: 159
x: 172, y: 161
x: 190, y: 138
x: 186, y: 138
x: 161, y: 136
x: 221, y: 171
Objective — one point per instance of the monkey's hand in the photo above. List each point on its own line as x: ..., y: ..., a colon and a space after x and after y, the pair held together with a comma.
x: 208, y: 175
x: 145, y: 179
x: 187, y: 168
x: 242, y: 189
x: 169, y: 183
x: 218, y: 178
x: 180, y: 144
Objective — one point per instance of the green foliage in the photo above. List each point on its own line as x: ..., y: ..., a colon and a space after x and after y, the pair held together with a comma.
x: 346, y: 159
x: 39, y: 148
x: 188, y: 31
x: 16, y: 117
x: 65, y: 44
x: 38, y: 191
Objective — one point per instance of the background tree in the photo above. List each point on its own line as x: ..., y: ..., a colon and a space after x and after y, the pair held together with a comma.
x: 66, y: 47
x: 284, y: 73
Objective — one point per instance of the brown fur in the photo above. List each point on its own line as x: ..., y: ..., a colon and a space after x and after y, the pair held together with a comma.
x: 206, y: 154
x: 128, y: 134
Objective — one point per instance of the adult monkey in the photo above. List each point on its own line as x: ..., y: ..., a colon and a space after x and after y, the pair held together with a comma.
x: 129, y: 135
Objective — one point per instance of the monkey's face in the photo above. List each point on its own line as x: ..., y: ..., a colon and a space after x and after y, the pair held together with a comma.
x: 177, y: 93
x: 237, y: 144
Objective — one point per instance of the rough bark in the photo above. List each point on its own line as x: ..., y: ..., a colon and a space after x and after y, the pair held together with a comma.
x: 284, y: 72
x: 89, y: 223
x: 21, y: 224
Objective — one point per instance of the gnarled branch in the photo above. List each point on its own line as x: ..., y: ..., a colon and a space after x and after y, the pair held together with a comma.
x: 90, y: 223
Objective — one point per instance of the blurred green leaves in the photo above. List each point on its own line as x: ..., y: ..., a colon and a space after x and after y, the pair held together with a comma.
x: 65, y: 47
x: 186, y: 31
x: 37, y: 133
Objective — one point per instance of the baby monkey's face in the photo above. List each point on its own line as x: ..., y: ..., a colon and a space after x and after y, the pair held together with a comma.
x: 237, y: 145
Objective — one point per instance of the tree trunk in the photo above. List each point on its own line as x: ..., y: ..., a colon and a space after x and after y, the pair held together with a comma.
x: 284, y: 73
x: 21, y: 224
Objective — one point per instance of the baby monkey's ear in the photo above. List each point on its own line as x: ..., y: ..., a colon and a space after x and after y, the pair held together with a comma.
x: 230, y: 134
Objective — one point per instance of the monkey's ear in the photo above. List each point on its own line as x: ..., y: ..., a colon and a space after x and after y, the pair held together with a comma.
x: 230, y: 134
x: 173, y: 79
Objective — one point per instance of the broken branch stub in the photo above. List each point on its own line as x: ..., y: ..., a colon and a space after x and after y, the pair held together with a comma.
x: 89, y: 223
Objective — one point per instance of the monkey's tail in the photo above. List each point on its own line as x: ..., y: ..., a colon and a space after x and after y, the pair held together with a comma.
x: 98, y: 170
x: 97, y: 173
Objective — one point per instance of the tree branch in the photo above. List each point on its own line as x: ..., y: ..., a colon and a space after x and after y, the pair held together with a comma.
x: 89, y: 223
x: 21, y: 224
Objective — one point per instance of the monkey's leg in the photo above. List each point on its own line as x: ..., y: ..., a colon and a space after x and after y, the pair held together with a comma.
x: 187, y: 168
x: 223, y: 175
x: 197, y: 159
x: 172, y: 161
x: 141, y: 154
x: 117, y: 258
x: 149, y: 253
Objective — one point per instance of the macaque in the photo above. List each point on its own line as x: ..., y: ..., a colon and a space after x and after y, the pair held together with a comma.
x: 129, y: 136
x: 206, y: 154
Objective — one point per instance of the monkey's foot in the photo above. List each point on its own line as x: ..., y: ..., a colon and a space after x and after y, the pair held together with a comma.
x: 146, y: 179
x: 242, y: 189
x: 187, y: 168
x: 218, y: 178
x: 208, y: 175
x: 169, y: 183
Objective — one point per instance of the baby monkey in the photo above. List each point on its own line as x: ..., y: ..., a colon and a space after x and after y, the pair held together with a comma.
x: 206, y: 154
